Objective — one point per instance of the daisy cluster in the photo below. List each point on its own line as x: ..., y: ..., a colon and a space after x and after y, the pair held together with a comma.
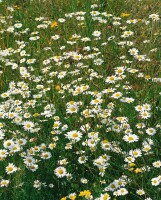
x: 75, y: 117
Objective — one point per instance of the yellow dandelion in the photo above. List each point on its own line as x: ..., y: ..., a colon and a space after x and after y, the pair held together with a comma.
x: 125, y: 14
x: 132, y: 164
x: 36, y: 114
x: 63, y: 198
x: 138, y: 170
x: 131, y: 169
x: 57, y: 87
x: 85, y: 193
x: 54, y: 24
x: 147, y: 77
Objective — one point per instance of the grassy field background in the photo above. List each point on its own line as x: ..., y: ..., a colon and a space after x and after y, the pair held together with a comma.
x: 80, y: 101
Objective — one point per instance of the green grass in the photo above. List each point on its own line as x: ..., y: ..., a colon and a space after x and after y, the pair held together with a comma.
x: 67, y: 85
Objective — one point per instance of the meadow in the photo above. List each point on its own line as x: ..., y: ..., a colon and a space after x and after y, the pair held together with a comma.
x: 80, y: 100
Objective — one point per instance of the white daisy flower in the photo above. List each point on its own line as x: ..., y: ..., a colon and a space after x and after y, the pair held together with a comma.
x: 60, y: 172
x: 11, y: 168
x: 74, y: 135
x: 130, y: 138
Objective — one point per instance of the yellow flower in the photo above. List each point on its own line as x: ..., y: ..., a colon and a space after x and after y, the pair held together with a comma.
x: 85, y: 193
x: 17, y: 7
x: 54, y: 24
x: 105, y: 141
x: 63, y: 198
x: 139, y: 20
x: 138, y: 170
x: 106, y: 196
x: 73, y: 197
x: 57, y: 87
x: 131, y: 169
x: 125, y: 14
x: 36, y: 114
x: 132, y: 164
x: 147, y: 77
